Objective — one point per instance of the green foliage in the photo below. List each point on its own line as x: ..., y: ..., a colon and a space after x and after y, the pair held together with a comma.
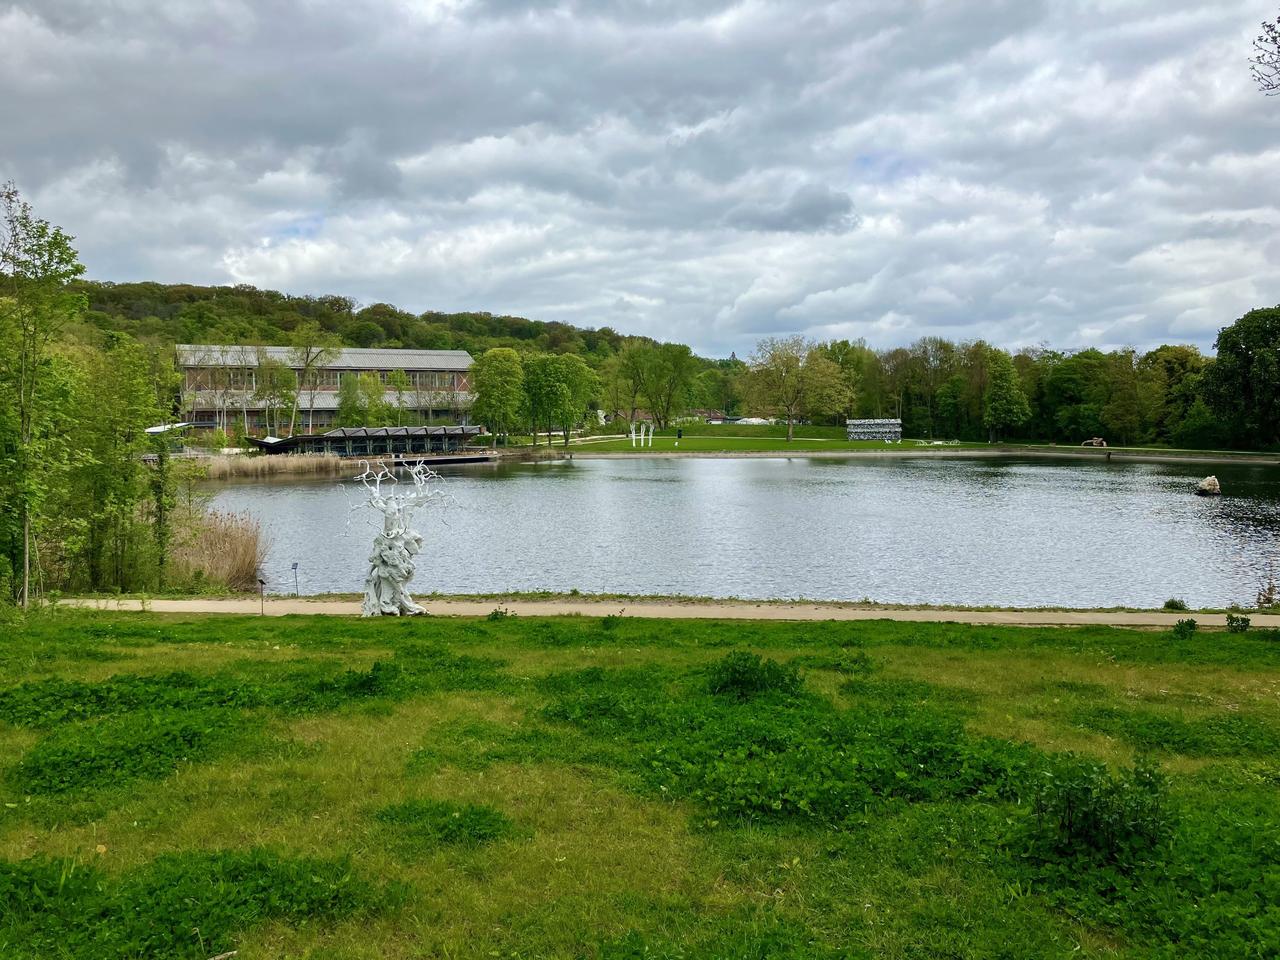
x: 1243, y: 385
x: 1004, y: 405
x: 106, y: 753
x: 1237, y: 623
x: 1184, y: 629
x: 1218, y: 734
x: 779, y: 754
x: 744, y: 676
x: 747, y: 938
x: 1081, y: 812
x: 498, y: 381
x: 1173, y: 603
x: 185, y: 906
x: 424, y: 824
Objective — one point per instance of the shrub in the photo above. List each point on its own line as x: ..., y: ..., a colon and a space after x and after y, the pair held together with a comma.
x: 428, y: 823
x: 1184, y: 629
x: 1173, y: 603
x: 1237, y: 623
x: 499, y: 613
x: 742, y: 676
x: 1083, y: 812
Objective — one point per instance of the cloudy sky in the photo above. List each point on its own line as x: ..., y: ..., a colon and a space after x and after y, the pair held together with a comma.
x: 1078, y: 173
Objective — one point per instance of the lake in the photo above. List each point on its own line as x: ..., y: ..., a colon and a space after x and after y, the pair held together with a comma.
x: 939, y: 531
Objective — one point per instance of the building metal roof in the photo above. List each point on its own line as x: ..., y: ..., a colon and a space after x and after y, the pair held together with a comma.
x: 349, y: 358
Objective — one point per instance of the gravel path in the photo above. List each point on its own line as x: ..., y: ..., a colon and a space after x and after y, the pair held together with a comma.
x: 704, y: 610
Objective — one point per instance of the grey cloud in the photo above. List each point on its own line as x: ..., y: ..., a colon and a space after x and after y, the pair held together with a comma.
x: 812, y: 208
x: 1021, y: 171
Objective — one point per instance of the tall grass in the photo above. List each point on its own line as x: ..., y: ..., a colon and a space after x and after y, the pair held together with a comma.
x: 262, y: 467
x: 220, y: 549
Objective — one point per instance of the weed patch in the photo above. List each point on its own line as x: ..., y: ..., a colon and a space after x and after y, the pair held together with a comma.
x: 183, y: 906
x: 424, y: 824
x: 1216, y: 735
x: 744, y: 676
x: 140, y: 746
x: 779, y: 755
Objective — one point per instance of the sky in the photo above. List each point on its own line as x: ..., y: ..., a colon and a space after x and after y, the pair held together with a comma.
x: 1030, y: 172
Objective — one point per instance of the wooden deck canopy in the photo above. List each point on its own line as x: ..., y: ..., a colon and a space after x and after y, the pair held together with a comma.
x: 372, y: 441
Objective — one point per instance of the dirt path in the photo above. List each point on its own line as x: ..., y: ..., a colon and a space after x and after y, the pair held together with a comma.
x: 727, y: 610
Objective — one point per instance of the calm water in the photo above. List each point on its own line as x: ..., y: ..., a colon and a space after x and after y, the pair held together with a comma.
x: 1022, y: 533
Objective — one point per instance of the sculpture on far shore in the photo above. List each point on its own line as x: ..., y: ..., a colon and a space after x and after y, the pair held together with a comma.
x: 391, y: 564
x: 1209, y: 487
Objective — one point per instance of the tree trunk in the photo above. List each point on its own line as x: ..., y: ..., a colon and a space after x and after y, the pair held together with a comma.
x: 26, y: 556
x: 791, y: 429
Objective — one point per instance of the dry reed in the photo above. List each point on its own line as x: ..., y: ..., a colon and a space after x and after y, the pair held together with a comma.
x: 262, y: 467
x: 226, y: 549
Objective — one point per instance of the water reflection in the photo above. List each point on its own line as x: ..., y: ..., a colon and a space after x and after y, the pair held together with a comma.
x: 913, y: 531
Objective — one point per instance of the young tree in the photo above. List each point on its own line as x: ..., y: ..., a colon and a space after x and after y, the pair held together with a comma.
x: 311, y: 350
x: 37, y: 264
x: 1004, y: 404
x: 579, y: 390
x: 353, y: 409
x: 399, y: 383
x: 793, y: 376
x: 277, y: 389
x: 374, y: 392
x: 497, y: 378
x: 546, y: 393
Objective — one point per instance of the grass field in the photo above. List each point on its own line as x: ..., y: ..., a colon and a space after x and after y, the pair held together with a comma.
x: 586, y: 788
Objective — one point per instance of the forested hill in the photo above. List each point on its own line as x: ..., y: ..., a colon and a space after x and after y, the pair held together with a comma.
x: 184, y: 313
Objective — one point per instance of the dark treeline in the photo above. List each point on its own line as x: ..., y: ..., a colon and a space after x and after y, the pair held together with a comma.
x: 183, y: 313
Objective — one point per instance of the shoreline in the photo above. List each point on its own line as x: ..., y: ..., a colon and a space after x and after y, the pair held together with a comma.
x: 1115, y: 455
x: 670, y: 610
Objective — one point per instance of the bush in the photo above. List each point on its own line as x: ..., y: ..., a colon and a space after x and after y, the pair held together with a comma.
x: 1083, y: 812
x: 743, y: 675
x: 1237, y: 623
x: 1184, y: 629
x: 1173, y: 603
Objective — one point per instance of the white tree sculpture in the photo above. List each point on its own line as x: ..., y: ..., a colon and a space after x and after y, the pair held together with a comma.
x: 391, y: 564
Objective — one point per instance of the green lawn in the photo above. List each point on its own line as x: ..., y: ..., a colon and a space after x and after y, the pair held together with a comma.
x: 625, y: 788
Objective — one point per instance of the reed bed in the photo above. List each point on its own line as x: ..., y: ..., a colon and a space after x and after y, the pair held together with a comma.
x: 262, y: 467
x: 227, y: 549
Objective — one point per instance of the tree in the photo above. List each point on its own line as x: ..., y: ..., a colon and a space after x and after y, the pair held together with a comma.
x: 399, y: 383
x: 497, y: 378
x: 546, y: 393
x: 1243, y: 385
x: 1266, y: 58
x: 311, y: 350
x: 37, y: 265
x: 663, y: 373
x: 579, y: 389
x: 791, y: 376
x: 353, y: 408
x: 277, y: 389
x: 1004, y: 404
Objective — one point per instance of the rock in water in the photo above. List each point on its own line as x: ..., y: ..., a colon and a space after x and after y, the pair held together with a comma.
x: 1208, y: 487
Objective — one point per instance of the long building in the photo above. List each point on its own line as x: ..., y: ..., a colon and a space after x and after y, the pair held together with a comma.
x: 221, y: 385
